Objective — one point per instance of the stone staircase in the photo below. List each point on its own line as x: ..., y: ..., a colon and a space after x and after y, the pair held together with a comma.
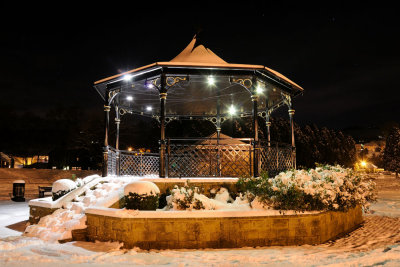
x: 34, y: 178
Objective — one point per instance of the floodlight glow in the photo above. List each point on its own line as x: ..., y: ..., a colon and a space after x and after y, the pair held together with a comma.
x: 259, y: 90
x: 211, y: 80
x: 129, y: 98
x: 150, y: 85
x: 232, y: 110
x: 127, y: 77
x: 149, y: 108
x: 363, y: 163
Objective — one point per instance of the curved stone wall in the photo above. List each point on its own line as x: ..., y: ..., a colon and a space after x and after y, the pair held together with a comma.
x: 221, y: 232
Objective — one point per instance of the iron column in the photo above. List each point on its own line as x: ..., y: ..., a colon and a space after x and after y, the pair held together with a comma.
x: 291, y: 113
x: 254, y: 98
x: 106, y: 129
x: 117, y: 123
x: 163, y: 99
x: 268, y: 123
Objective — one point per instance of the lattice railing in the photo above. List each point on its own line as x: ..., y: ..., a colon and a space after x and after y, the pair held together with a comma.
x: 139, y: 164
x: 112, y: 162
x: 200, y: 159
x: 275, y: 158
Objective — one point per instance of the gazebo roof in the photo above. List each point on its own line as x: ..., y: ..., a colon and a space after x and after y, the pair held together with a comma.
x: 199, y: 56
x: 189, y: 94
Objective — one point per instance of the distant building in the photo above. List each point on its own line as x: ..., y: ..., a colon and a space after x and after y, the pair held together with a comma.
x: 5, y: 160
x: 370, y: 149
x: 20, y: 162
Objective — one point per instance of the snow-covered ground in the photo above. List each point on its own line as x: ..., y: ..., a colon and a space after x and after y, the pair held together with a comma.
x: 377, y: 242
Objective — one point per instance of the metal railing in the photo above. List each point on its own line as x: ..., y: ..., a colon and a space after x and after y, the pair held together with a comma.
x: 112, y: 161
x: 204, y: 157
x: 207, y: 157
x: 133, y: 163
x: 275, y: 158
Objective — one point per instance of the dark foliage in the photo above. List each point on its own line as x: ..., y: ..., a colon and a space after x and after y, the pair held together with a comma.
x: 59, y: 194
x: 134, y: 201
x: 391, y: 154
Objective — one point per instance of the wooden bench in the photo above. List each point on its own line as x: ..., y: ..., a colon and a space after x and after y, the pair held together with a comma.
x: 43, y: 190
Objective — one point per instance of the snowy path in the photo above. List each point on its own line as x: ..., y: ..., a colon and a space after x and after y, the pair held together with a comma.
x: 377, y: 242
x: 13, y: 216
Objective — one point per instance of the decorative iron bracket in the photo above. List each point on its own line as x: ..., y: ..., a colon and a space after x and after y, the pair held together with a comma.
x: 112, y: 94
x: 170, y: 81
x: 245, y: 82
x: 287, y: 99
x: 217, y: 121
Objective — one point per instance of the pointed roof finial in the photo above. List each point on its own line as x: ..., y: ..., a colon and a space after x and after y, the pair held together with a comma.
x: 196, y: 52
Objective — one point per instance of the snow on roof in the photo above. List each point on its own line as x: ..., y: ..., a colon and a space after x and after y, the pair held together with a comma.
x: 197, y: 55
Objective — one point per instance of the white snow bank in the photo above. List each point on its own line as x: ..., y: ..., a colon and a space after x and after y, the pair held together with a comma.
x: 12, y: 243
x: 58, y: 226
x: 63, y: 185
x: 142, y: 188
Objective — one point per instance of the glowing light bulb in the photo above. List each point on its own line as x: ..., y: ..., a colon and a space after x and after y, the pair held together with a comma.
x: 149, y: 108
x: 149, y: 85
x: 129, y: 98
x: 232, y: 110
x: 259, y: 90
x: 127, y: 77
x: 211, y: 80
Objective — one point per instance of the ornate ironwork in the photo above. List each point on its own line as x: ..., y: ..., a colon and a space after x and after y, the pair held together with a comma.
x: 172, y: 80
x: 245, y: 82
x: 287, y: 99
x: 138, y: 163
x: 204, y: 158
x: 216, y: 121
x: 112, y: 162
x: 201, y: 159
x: 275, y: 158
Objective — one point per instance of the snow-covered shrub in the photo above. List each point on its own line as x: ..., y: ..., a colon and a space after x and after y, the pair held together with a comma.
x: 323, y: 188
x: 187, y: 197
x: 190, y: 197
x: 141, y: 195
x: 62, y: 187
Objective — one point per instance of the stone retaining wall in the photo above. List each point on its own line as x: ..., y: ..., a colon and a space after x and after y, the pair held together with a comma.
x: 222, y: 232
x: 36, y: 212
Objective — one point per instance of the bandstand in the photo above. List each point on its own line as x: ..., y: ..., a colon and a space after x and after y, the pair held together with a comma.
x: 199, y: 85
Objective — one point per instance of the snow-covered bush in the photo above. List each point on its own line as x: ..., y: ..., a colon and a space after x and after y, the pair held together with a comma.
x: 323, y: 188
x: 141, y: 195
x: 62, y: 187
x: 187, y: 197
x: 190, y: 197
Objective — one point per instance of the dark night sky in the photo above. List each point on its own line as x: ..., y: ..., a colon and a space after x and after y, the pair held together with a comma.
x: 344, y: 56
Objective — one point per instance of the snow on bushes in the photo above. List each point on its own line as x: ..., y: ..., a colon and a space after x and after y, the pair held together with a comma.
x: 62, y: 187
x: 190, y: 197
x: 141, y: 195
x: 323, y: 188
